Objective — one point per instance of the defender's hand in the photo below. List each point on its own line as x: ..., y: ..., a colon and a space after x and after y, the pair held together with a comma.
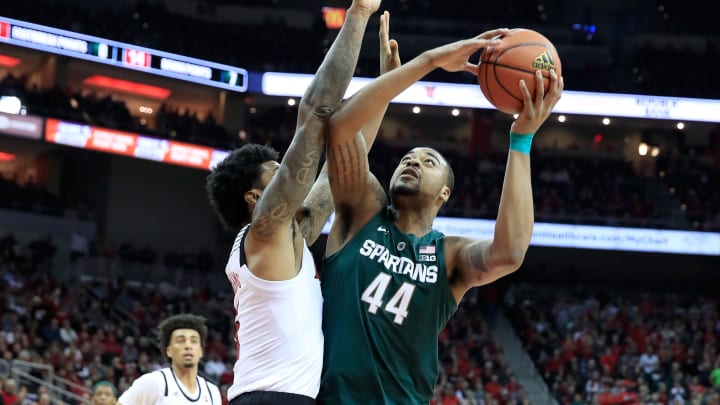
x: 367, y: 6
x: 389, y: 55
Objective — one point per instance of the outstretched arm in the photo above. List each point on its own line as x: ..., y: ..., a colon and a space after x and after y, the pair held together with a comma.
x: 389, y: 60
x: 284, y: 195
x: 482, y: 262
x: 318, y: 205
x: 356, y: 193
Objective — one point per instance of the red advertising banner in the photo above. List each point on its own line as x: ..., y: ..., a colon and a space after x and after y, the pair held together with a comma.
x: 189, y: 155
x: 105, y: 140
x: 129, y: 144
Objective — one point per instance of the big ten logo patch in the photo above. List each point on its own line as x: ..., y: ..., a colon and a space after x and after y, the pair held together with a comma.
x: 427, y: 258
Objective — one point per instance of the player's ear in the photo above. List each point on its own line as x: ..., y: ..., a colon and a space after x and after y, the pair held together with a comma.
x: 445, y: 194
x: 252, y: 196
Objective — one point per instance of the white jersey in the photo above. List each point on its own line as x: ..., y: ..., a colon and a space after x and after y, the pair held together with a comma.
x: 162, y: 387
x: 278, y: 328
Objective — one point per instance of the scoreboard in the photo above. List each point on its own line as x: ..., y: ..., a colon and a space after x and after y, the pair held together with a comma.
x: 81, y: 46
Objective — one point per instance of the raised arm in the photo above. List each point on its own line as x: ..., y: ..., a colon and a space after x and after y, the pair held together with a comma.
x: 356, y: 193
x: 316, y: 208
x: 389, y: 60
x: 482, y: 262
x: 318, y: 205
x: 274, y: 212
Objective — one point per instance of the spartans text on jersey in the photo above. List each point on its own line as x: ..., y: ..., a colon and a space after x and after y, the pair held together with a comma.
x: 400, y: 265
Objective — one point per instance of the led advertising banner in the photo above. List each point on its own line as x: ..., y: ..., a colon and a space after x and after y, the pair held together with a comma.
x: 590, y: 237
x: 470, y: 96
x: 130, y: 144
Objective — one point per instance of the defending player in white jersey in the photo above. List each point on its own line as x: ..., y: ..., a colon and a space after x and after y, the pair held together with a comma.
x: 182, y: 337
x: 278, y: 301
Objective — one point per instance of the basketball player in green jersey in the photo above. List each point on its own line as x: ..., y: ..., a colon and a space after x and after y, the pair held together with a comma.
x: 390, y: 281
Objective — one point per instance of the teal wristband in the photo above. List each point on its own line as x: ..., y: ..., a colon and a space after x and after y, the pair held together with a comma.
x: 521, y: 143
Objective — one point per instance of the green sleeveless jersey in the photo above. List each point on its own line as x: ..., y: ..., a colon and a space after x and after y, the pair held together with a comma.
x: 387, y: 298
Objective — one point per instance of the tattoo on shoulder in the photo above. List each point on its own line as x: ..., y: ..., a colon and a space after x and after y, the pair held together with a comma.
x: 265, y: 224
x: 477, y: 255
x: 336, y: 153
x: 471, y: 253
x: 348, y: 170
x: 355, y: 153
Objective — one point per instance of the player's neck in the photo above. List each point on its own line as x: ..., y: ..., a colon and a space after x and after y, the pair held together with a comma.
x: 187, y: 376
x: 416, y: 222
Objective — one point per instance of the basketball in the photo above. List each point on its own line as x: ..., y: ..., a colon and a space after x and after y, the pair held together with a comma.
x: 520, y: 53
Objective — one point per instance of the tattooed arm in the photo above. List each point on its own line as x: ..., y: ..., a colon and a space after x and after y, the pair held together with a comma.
x: 271, y: 240
x: 319, y: 204
x: 316, y: 209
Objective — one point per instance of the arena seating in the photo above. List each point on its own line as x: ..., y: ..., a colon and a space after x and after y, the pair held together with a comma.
x: 608, y: 346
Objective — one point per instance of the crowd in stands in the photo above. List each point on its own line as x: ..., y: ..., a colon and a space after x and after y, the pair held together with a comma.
x: 473, y: 368
x: 173, y: 271
x: 613, y: 347
x: 28, y: 196
x: 103, y: 329
x: 568, y: 188
x: 110, y: 112
x: 592, y: 346
x: 97, y: 329
x: 694, y: 180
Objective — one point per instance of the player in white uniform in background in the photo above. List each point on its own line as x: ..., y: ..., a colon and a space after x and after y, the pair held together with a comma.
x: 280, y: 209
x: 181, y: 337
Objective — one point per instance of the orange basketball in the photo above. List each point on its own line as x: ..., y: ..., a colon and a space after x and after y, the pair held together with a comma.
x: 520, y: 53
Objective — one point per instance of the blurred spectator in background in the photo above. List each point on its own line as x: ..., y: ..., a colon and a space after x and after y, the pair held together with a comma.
x: 10, y: 393
x: 104, y: 393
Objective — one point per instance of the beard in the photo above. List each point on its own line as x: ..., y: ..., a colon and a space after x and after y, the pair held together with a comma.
x: 405, y: 190
x: 188, y: 364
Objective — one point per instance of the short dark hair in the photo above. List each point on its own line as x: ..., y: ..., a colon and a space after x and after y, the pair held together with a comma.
x: 450, y: 182
x: 182, y: 321
x: 235, y: 175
